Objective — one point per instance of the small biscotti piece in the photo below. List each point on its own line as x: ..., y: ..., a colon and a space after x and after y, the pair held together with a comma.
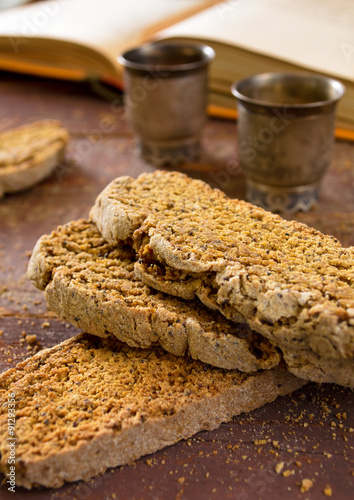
x: 289, y: 282
x: 89, y: 403
x: 29, y: 153
x: 92, y: 285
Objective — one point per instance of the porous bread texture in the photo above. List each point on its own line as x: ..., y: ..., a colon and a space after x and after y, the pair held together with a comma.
x: 92, y: 285
x: 29, y: 153
x: 291, y: 283
x: 110, y: 403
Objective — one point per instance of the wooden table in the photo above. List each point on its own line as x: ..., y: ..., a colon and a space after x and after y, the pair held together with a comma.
x: 311, y: 431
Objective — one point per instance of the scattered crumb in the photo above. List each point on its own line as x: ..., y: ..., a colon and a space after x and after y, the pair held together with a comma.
x: 260, y: 441
x: 306, y: 484
x: 31, y: 339
x: 279, y: 467
x: 45, y: 324
x: 288, y: 473
x: 327, y: 490
x: 181, y: 480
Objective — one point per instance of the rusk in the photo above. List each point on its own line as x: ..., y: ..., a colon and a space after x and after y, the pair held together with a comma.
x: 92, y: 285
x: 29, y: 153
x: 90, y: 403
x: 289, y: 282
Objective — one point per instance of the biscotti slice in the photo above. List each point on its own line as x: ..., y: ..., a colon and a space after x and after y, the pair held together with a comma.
x: 92, y: 285
x: 89, y: 403
x: 29, y: 153
x: 289, y: 282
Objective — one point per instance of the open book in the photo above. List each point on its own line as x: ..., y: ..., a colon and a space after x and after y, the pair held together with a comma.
x: 78, y: 39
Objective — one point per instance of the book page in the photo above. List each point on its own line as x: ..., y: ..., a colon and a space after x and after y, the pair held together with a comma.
x: 109, y: 26
x: 316, y: 34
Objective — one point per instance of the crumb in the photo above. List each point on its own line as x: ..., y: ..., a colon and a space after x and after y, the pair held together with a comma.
x: 288, y: 473
x: 306, y: 484
x: 181, y: 480
x: 31, y: 339
x: 45, y: 324
x: 279, y: 467
x: 327, y: 490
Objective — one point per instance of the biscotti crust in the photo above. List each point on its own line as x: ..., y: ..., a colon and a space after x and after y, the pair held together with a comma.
x: 110, y: 403
x: 291, y: 283
x: 92, y: 285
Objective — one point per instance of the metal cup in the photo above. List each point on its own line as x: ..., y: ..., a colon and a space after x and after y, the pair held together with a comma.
x: 166, y: 99
x: 285, y: 137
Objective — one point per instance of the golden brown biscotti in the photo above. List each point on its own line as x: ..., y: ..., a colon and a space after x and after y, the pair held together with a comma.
x: 110, y: 403
x: 29, y: 153
x: 291, y: 283
x: 92, y: 285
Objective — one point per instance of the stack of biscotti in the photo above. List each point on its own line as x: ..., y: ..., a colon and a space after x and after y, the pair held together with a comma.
x: 113, y: 394
x: 229, y: 292
x: 288, y: 282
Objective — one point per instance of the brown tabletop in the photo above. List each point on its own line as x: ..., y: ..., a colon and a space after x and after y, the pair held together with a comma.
x: 311, y: 432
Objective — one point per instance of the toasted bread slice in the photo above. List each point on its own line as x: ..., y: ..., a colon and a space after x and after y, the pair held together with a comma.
x: 108, y: 403
x: 291, y: 283
x: 92, y: 285
x: 29, y: 153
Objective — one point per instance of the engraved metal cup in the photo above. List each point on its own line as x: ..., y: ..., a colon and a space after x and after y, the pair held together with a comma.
x: 166, y: 99
x: 285, y: 137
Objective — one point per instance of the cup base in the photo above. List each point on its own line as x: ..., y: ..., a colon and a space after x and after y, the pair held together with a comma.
x: 168, y: 154
x: 278, y: 199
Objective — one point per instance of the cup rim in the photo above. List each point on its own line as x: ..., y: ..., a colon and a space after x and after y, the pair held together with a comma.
x: 236, y: 89
x: 206, y: 52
